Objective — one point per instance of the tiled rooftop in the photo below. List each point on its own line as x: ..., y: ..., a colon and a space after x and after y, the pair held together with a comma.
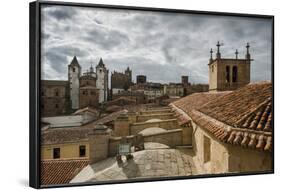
x: 196, y: 100
x: 61, y: 171
x: 64, y: 135
x: 242, y: 117
x: 242, y: 105
x: 110, y: 117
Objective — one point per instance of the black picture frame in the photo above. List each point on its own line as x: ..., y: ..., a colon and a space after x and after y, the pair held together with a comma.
x: 35, y: 76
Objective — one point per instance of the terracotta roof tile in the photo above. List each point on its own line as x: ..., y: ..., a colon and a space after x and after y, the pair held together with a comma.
x: 248, y: 107
x: 196, y: 100
x: 64, y: 135
x: 242, y: 117
x: 237, y: 136
x: 61, y: 171
x: 110, y: 117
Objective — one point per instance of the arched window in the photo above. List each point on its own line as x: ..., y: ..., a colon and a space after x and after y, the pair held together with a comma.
x: 56, y: 92
x: 73, y: 69
x: 234, y: 74
x: 227, y: 74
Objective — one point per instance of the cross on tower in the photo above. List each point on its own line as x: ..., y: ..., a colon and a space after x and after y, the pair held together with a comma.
x: 218, y: 50
x: 236, y: 54
x: 218, y: 46
x: 248, y: 56
x: 248, y: 46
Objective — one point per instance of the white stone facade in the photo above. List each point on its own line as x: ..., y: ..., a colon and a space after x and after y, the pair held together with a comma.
x: 117, y: 90
x: 102, y: 82
x: 74, y: 72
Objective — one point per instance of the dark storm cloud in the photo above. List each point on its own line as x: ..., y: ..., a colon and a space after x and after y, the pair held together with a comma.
x: 56, y: 60
x: 97, y: 21
x: 62, y: 13
x: 106, y: 39
x: 162, y: 46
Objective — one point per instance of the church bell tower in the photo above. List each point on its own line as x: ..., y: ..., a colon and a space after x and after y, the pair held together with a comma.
x: 74, y: 73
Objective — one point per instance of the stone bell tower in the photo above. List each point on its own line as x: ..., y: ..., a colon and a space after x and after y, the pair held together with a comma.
x: 229, y: 73
x: 102, y: 81
x: 74, y: 73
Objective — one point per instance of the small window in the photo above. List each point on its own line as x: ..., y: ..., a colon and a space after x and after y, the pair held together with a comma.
x: 57, y: 93
x: 57, y: 106
x: 212, y: 68
x: 100, y: 70
x: 207, y: 149
x: 42, y: 93
x: 73, y: 69
x: 82, y: 151
x: 227, y: 74
x: 234, y: 74
x: 56, y: 153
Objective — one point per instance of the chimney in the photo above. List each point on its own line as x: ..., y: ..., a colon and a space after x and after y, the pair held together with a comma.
x: 121, y: 125
x: 98, y: 143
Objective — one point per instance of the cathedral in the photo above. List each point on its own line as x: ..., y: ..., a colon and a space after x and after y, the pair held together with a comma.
x: 79, y: 91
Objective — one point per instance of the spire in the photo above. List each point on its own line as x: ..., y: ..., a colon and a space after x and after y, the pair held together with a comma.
x: 236, y: 54
x: 101, y: 64
x: 211, y: 54
x: 91, y: 68
x: 248, y: 56
x: 74, y: 61
x: 218, y: 50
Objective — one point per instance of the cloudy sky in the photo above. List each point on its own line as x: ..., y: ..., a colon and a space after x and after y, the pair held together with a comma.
x: 162, y: 46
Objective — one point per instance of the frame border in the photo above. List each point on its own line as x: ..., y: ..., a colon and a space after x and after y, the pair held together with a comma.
x: 35, y: 77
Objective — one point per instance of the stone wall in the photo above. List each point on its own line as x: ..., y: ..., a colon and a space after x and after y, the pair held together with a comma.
x: 121, y: 126
x: 217, y: 74
x: 114, y: 142
x: 54, y: 100
x: 98, y: 145
x: 88, y: 97
x: 187, y: 135
x: 171, y: 138
x: 159, y: 111
x: 165, y: 124
x: 74, y: 72
x: 67, y: 150
x: 248, y: 160
x: 216, y: 157
x: 120, y: 80
x: 143, y: 118
x: 218, y: 154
